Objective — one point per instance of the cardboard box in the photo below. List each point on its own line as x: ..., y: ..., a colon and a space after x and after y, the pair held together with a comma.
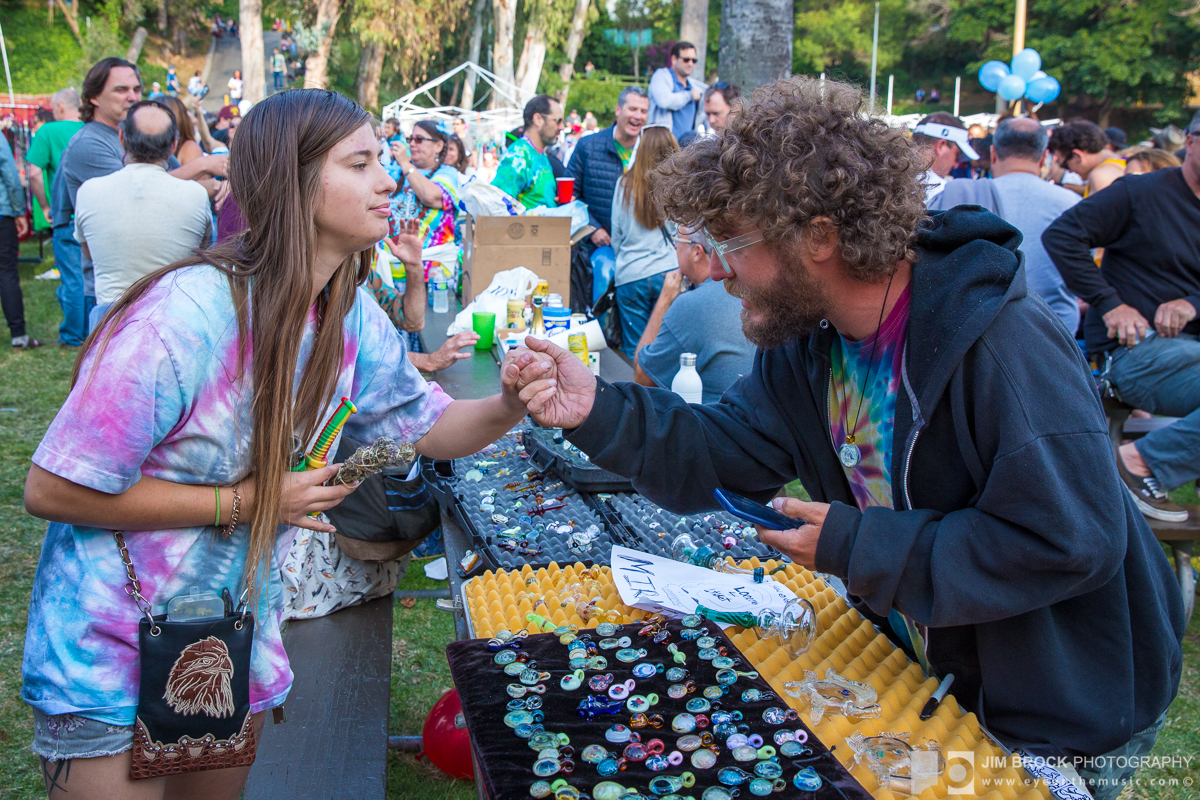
x: 494, y: 244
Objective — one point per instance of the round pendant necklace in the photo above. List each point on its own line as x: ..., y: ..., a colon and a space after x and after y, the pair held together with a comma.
x: 849, y: 453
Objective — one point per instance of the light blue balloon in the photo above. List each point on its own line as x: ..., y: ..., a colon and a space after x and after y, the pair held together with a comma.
x: 1012, y: 87
x: 1038, y: 74
x: 1026, y: 63
x: 991, y: 73
x: 1043, y: 90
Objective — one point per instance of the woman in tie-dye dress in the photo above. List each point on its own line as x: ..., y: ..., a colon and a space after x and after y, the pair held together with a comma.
x: 196, y: 386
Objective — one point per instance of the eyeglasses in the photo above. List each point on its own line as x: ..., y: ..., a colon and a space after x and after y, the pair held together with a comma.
x: 415, y: 139
x: 729, y: 245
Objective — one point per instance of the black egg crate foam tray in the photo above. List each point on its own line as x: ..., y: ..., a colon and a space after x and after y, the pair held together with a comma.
x: 651, y: 529
x: 571, y: 465
x: 506, y: 760
x: 503, y: 470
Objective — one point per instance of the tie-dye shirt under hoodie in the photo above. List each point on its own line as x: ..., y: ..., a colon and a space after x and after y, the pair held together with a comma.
x: 167, y: 401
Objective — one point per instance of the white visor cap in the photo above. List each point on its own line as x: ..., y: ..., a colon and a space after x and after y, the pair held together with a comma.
x: 951, y: 134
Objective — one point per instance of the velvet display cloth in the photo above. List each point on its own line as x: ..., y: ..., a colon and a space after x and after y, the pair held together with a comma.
x: 505, y: 761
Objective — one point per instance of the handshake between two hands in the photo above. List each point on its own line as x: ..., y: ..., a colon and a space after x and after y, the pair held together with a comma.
x: 551, y: 383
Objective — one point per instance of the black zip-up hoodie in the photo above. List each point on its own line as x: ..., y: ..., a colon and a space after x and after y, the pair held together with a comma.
x: 1011, y: 537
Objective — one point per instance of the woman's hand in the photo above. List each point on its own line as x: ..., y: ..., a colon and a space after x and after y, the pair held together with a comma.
x: 555, y: 386
x: 445, y: 355
x: 406, y: 244
x: 400, y: 156
x: 303, y: 494
x: 510, y: 378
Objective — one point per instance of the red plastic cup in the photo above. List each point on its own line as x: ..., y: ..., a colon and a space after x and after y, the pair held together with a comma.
x: 566, y: 190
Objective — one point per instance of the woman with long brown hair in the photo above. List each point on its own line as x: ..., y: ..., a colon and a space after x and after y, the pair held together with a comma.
x: 190, y: 404
x: 642, y: 238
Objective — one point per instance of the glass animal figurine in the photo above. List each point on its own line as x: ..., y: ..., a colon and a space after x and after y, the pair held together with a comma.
x: 834, y: 695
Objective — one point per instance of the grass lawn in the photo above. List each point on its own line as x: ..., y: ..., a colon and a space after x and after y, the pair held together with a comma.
x: 32, y: 386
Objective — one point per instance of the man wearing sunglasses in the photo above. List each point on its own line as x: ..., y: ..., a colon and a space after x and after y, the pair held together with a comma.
x: 940, y: 417
x: 676, y: 97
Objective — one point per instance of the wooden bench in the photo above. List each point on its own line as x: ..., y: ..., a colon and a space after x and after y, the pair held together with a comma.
x: 334, y: 743
x: 1180, y: 536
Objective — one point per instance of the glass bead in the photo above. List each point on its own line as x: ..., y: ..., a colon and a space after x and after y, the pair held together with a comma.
x: 704, y: 759
x: 597, y: 663
x: 794, y: 749
x: 724, y: 729
x: 708, y: 653
x: 754, y: 696
x: 546, y: 767
x: 513, y: 669
x: 736, y: 740
x: 761, y: 787
x: 516, y: 690
x: 515, y: 705
x: 646, y: 670
x: 594, y: 754
x: 617, y: 734
x: 628, y: 655
x: 600, y: 683
x: 807, y: 780
x: 608, y: 644
x: 706, y: 642
x: 606, y: 629
x: 657, y: 763
x: 688, y: 743
x: 726, y: 676
x: 676, y: 674
x: 745, y: 753
x: 768, y: 769
x: 505, y: 657
x: 676, y: 691
x: 542, y: 740
x: 724, y: 662
x: 717, y: 793
x: 540, y: 789
x: 697, y: 705
x: 609, y: 766
x: 636, y: 751
x: 689, y: 634
x: 714, y: 692
x: 683, y: 723
x: 692, y: 621
x: 733, y: 776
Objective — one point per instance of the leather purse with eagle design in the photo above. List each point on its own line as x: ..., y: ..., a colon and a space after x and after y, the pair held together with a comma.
x: 193, y: 710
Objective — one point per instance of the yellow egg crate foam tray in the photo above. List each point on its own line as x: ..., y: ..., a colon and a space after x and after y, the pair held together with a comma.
x: 846, y: 641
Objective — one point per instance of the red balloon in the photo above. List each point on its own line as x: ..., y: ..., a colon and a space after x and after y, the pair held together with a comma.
x: 446, y: 744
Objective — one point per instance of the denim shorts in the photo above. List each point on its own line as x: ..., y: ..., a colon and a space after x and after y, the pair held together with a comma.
x: 65, y: 736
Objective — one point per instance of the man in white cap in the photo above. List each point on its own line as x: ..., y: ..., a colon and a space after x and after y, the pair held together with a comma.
x: 946, y: 140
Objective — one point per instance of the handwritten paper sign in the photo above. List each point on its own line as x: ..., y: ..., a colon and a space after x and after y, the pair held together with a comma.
x: 662, y: 585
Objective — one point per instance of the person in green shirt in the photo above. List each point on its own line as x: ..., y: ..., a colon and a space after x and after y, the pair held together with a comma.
x: 525, y: 172
x: 46, y: 149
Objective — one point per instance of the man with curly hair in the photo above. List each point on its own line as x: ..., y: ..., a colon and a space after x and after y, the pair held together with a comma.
x: 941, y: 419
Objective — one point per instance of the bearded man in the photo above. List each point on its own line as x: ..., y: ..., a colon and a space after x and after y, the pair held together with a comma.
x: 941, y: 419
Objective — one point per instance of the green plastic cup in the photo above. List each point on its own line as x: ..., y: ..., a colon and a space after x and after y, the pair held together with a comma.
x: 484, y: 323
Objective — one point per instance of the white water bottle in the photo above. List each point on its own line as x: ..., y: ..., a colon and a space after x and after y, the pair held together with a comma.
x: 441, y: 303
x: 687, y: 382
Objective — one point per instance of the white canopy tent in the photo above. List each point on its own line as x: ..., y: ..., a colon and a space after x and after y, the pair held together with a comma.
x: 486, y: 123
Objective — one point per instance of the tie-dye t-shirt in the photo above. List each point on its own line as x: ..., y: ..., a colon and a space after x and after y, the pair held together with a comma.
x: 167, y: 401
x: 871, y: 479
x: 437, y: 223
x: 526, y: 175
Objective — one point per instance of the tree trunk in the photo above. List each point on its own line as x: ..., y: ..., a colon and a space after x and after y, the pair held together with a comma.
x: 162, y: 16
x: 1106, y: 106
x: 316, y: 66
x: 250, y: 31
x: 533, y: 55
x: 72, y: 22
x: 693, y: 27
x: 468, y: 95
x: 504, y: 18
x: 370, y: 67
x: 637, y: 71
x: 756, y: 41
x: 135, y: 45
x: 574, y: 40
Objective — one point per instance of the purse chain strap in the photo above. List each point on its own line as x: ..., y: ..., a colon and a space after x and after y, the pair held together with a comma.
x: 134, y: 587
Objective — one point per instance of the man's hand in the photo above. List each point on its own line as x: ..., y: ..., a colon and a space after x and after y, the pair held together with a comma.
x: 22, y: 225
x: 672, y: 287
x: 798, y: 544
x: 1126, y: 325
x: 406, y: 244
x: 601, y: 238
x: 697, y: 94
x: 445, y: 355
x: 510, y: 378
x: 555, y: 386
x: 1170, y: 317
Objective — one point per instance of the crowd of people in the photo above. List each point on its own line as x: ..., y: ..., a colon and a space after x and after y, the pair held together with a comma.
x: 904, y: 340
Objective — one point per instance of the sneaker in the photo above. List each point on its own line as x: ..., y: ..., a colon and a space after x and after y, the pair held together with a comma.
x: 1149, y: 497
x: 26, y: 343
